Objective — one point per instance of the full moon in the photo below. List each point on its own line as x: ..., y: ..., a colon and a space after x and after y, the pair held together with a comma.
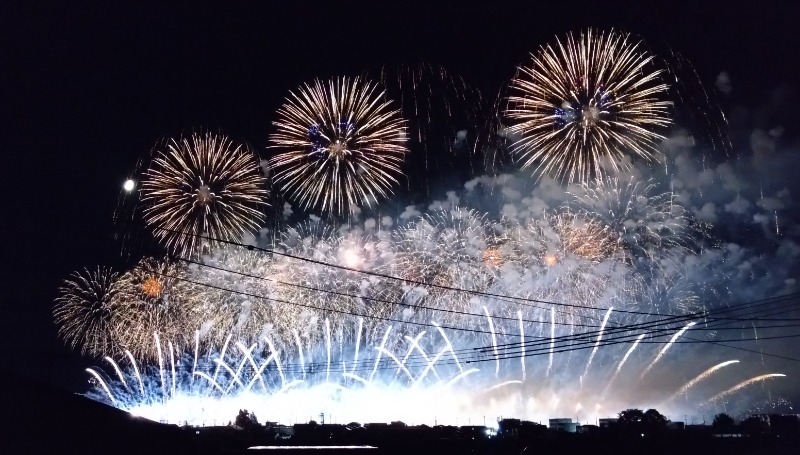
x: 129, y: 185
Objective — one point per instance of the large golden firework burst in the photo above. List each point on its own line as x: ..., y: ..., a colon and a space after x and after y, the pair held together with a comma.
x: 340, y: 145
x: 585, y: 103
x: 203, y: 184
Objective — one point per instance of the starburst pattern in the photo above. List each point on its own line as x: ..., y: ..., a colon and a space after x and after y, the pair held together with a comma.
x: 203, y: 184
x: 340, y: 145
x: 83, y: 311
x: 585, y: 104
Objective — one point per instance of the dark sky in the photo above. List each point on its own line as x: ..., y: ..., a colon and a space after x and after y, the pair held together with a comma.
x: 87, y: 89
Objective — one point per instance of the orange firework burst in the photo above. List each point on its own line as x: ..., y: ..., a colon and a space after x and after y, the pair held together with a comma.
x: 585, y: 238
x: 492, y: 257
x: 152, y: 287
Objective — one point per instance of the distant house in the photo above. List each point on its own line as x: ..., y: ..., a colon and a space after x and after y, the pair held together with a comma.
x: 563, y: 424
x: 607, y: 422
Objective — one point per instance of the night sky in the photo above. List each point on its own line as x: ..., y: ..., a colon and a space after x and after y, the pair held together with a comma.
x: 87, y: 90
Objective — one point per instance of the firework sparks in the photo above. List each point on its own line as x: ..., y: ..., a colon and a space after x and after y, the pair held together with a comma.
x: 340, y: 145
x: 700, y: 377
x: 150, y: 299
x: 204, y: 184
x: 586, y: 102
x: 744, y: 384
x: 83, y: 311
x: 635, y: 216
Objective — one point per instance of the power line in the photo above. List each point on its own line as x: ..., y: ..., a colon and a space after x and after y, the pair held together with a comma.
x: 586, y: 339
x: 517, y: 299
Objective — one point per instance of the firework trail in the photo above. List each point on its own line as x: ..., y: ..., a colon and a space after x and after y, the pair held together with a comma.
x: 597, y: 342
x: 585, y: 103
x: 339, y: 145
x: 622, y: 362
x: 744, y: 384
x: 204, y: 184
x: 83, y: 311
x: 700, y: 377
x: 666, y: 347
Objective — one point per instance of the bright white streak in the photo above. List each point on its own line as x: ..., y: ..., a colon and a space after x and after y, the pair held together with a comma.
x: 521, y: 343
x: 622, y: 362
x: 196, y: 349
x: 236, y: 375
x: 398, y: 362
x: 430, y: 366
x: 503, y: 384
x: 597, y: 343
x: 135, y: 370
x: 209, y: 379
x: 119, y: 372
x: 664, y: 349
x: 552, y: 340
x: 494, y: 343
x: 700, y: 377
x: 172, y: 363
x: 328, y: 346
x: 222, y: 355
x: 300, y: 352
x: 103, y: 384
x: 380, y: 351
x: 460, y: 376
x: 277, y: 358
x: 627, y: 354
x: 358, y: 343
x: 160, y: 363
x: 414, y: 344
x: 449, y: 345
x: 744, y: 384
x: 259, y: 373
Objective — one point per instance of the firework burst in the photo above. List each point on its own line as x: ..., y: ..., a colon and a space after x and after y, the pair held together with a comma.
x: 152, y: 299
x: 340, y: 145
x: 585, y: 103
x: 202, y: 184
x: 642, y: 221
x: 83, y: 311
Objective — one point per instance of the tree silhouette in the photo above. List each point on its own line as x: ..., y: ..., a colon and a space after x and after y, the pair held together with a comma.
x: 246, y: 420
x: 643, y: 422
x: 631, y: 418
x: 654, y: 419
x: 723, y: 421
